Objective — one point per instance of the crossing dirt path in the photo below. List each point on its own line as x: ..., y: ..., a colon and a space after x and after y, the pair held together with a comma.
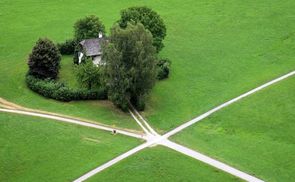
x: 153, y: 138
x: 150, y: 135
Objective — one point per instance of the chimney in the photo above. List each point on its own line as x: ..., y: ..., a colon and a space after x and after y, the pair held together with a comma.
x: 100, y: 35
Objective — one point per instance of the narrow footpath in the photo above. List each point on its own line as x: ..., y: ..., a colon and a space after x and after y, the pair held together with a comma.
x: 74, y: 121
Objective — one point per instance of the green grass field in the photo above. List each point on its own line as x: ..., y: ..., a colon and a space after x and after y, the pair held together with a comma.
x: 219, y: 50
x: 255, y: 135
x: 36, y: 149
x: 67, y: 72
x: 161, y: 164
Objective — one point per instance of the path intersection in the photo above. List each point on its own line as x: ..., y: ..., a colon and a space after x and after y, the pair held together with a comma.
x: 151, y: 137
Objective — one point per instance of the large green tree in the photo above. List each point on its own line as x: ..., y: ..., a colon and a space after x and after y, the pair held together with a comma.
x: 44, y: 61
x: 88, y: 27
x: 130, y: 65
x: 151, y: 21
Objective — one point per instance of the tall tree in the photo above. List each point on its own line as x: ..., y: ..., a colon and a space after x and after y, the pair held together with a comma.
x: 150, y: 19
x: 130, y: 68
x: 44, y: 61
x: 88, y: 27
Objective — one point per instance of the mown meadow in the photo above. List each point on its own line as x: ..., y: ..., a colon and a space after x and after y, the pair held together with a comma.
x: 38, y: 149
x: 255, y: 135
x: 219, y: 49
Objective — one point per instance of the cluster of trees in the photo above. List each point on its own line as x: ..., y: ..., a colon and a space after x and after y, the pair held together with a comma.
x: 130, y: 53
x: 131, y: 68
x: 44, y: 64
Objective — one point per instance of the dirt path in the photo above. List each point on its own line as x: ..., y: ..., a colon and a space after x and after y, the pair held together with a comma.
x: 161, y: 140
x: 210, y: 161
x: 12, y: 106
x: 142, y: 122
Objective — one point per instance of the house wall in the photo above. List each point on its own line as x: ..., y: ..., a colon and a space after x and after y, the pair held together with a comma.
x: 96, y: 60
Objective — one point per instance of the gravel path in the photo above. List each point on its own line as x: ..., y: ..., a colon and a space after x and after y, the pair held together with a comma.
x: 210, y: 161
x: 74, y: 121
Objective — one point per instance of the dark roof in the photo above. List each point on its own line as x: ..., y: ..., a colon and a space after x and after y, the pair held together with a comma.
x: 92, y: 47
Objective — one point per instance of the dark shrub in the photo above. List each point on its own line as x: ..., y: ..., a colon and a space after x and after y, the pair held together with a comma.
x: 138, y: 102
x: 67, y: 47
x: 163, y: 68
x: 52, y: 89
x: 44, y: 60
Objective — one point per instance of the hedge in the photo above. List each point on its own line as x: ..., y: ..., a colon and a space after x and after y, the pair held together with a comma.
x: 67, y: 47
x: 59, y: 91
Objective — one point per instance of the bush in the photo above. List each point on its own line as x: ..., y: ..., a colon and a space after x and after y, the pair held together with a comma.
x: 67, y: 47
x: 89, y: 75
x: 150, y: 19
x: 59, y: 91
x: 88, y: 27
x: 163, y: 68
x: 44, y: 61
